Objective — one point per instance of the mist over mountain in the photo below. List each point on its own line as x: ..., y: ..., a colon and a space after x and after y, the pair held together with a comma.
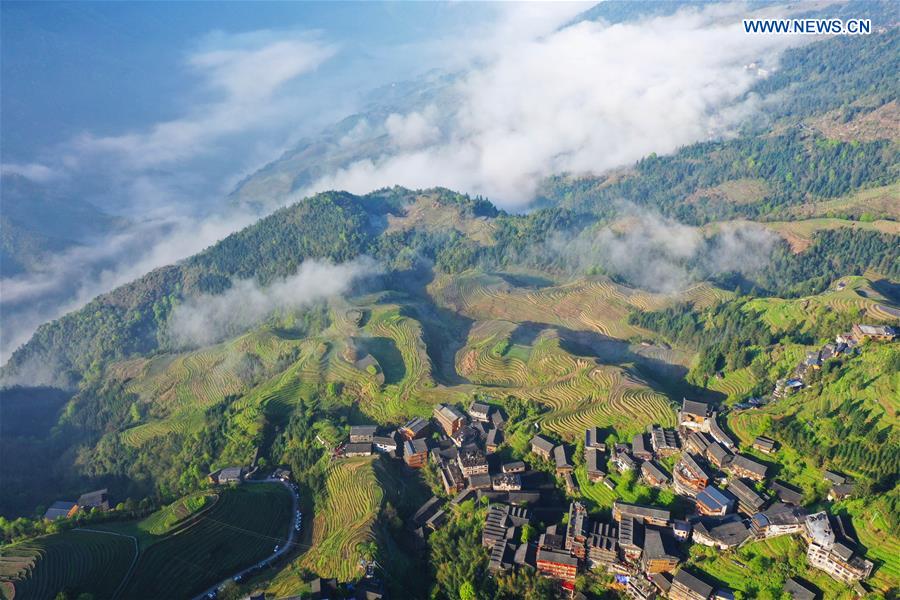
x: 377, y: 299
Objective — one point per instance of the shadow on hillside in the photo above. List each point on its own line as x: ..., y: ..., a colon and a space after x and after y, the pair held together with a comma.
x: 888, y: 289
x: 662, y: 376
x: 444, y: 330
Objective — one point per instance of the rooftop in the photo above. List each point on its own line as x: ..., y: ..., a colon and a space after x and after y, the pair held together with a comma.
x: 742, y: 462
x: 557, y: 556
x: 448, y: 413
x: 542, y: 443
x: 744, y: 493
x: 692, y: 407
x: 798, y: 591
x: 415, y: 446
x: 416, y: 424
x: 819, y: 528
x: 642, y: 511
x: 480, y: 408
x: 560, y: 456
x: 650, y: 469
x: 713, y: 499
x: 693, y: 583
x: 654, y: 544
x: 358, y: 447
x: 786, y: 494
x: 363, y: 429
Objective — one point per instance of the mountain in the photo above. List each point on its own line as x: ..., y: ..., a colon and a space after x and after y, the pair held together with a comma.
x: 713, y: 274
x: 39, y: 221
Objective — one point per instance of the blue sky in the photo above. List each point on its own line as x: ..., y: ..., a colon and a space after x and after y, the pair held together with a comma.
x: 108, y: 67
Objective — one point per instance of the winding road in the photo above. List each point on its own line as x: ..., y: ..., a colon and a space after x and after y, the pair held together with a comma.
x: 283, y: 548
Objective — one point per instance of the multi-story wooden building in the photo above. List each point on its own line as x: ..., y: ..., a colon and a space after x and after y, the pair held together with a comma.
x: 557, y: 564
x: 449, y: 418
x: 686, y: 586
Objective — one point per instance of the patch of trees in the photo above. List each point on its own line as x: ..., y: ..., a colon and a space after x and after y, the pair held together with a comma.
x: 724, y: 335
x: 795, y: 165
x: 832, y: 254
x: 836, y: 72
x: 459, y: 563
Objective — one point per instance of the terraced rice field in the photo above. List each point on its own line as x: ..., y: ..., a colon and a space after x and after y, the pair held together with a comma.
x: 594, y: 304
x: 733, y: 384
x: 182, y: 422
x: 344, y: 520
x: 857, y: 296
x: 407, y: 335
x: 243, y: 527
x: 882, y: 544
x: 85, y: 561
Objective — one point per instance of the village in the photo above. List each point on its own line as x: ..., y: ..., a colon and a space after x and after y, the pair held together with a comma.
x: 732, y: 497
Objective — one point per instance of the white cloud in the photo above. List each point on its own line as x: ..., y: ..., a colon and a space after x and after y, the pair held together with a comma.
x: 72, y: 278
x: 660, y: 254
x: 414, y: 129
x: 246, y: 72
x: 33, y: 171
x: 210, y: 318
x: 582, y: 99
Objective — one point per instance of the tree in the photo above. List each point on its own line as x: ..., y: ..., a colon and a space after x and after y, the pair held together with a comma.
x: 528, y: 533
x: 467, y: 591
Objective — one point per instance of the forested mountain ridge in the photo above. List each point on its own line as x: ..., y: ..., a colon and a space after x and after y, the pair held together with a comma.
x: 549, y: 315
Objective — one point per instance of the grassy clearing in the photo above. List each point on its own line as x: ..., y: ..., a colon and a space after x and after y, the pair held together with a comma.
x: 799, y: 233
x: 879, y: 202
x: 167, y: 518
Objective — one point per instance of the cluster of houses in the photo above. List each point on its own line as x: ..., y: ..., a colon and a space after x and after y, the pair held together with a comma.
x: 459, y: 453
x: 643, y: 545
x: 87, y: 502
x: 844, y: 343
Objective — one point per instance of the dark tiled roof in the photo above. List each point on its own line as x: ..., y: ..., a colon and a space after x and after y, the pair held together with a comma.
x: 542, y: 443
x: 650, y: 469
x: 592, y: 460
x: 786, y: 494
x: 692, y: 407
x: 358, y: 448
x: 693, y: 583
x: 798, y: 591
x: 561, y: 456
x: 363, y: 430
x: 745, y: 494
x: 639, y: 445
x: 416, y: 425
x: 557, y: 556
x: 742, y: 462
x: 655, y: 544
x: 415, y: 446
x: 641, y: 511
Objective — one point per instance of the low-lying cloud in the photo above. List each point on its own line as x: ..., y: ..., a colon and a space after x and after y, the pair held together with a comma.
x: 585, y: 98
x: 658, y: 254
x: 208, y: 318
